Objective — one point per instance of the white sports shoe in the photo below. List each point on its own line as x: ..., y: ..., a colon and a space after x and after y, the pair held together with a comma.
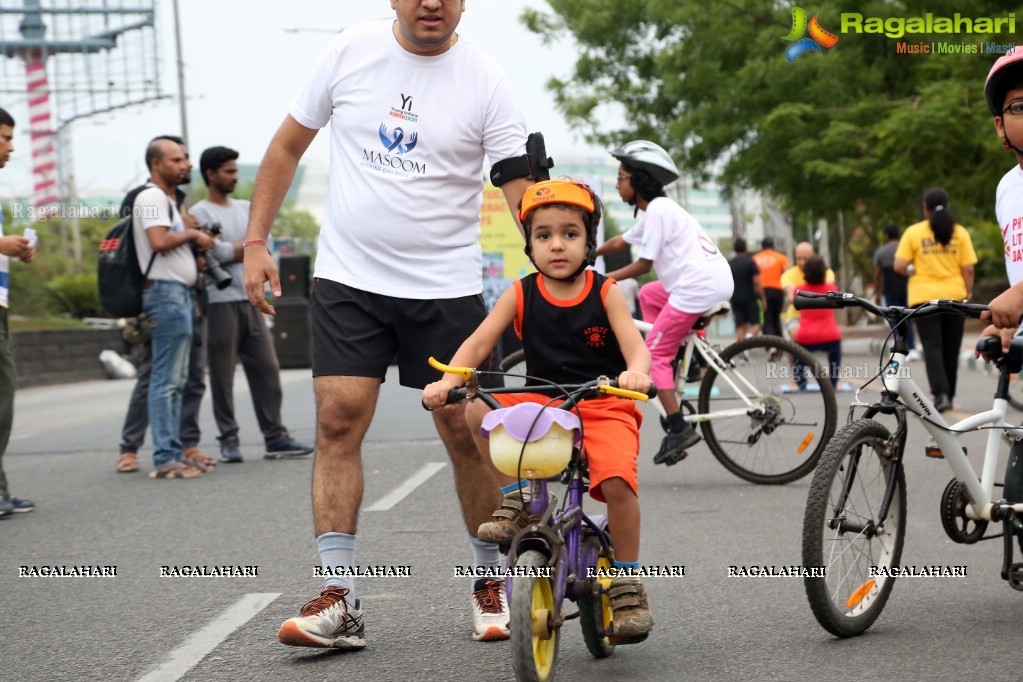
x: 913, y: 355
x: 327, y: 621
x: 490, y: 613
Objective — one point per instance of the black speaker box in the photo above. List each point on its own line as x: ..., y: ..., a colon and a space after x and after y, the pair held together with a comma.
x: 291, y: 332
x: 294, y: 276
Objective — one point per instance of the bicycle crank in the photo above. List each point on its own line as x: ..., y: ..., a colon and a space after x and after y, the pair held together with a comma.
x: 958, y: 526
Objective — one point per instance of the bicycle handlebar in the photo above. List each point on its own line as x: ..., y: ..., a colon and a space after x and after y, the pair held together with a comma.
x: 601, y: 385
x: 806, y: 300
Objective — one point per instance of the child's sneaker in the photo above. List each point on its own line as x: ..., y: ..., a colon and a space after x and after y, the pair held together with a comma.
x: 490, y: 614
x: 512, y: 517
x: 632, y: 617
x: 327, y: 621
x: 674, y: 446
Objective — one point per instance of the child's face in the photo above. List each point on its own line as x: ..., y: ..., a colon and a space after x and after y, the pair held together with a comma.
x: 624, y: 184
x: 1009, y: 126
x: 558, y: 240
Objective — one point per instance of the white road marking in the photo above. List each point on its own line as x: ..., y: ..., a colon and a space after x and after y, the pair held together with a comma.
x: 402, y: 491
x: 196, y: 647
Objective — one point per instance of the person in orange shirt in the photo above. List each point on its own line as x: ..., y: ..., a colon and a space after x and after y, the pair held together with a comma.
x: 771, y: 264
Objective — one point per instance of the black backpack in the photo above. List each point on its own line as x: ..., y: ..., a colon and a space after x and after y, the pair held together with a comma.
x: 120, y: 278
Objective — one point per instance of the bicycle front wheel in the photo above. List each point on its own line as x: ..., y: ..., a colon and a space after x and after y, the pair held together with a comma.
x: 843, y: 534
x: 595, y: 613
x: 535, y: 631
x: 757, y: 421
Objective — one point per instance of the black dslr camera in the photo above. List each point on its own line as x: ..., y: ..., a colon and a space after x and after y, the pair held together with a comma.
x: 214, y: 269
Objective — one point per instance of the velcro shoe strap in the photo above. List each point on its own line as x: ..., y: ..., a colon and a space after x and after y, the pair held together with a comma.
x: 620, y: 602
x: 623, y: 591
x: 510, y: 514
x: 513, y: 503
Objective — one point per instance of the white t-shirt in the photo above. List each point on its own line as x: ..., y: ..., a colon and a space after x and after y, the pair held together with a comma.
x: 692, y: 269
x: 233, y: 219
x: 407, y: 140
x: 1009, y: 210
x: 153, y: 208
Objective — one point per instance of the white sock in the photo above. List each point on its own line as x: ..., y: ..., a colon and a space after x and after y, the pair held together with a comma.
x: 337, y: 549
x: 485, y: 554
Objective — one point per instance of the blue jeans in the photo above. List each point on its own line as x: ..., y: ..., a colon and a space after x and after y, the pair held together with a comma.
x: 169, y: 307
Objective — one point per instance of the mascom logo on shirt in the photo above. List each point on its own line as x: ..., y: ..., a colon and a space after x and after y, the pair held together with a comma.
x: 396, y: 143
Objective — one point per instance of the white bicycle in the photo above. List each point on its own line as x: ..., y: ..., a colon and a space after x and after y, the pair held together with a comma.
x: 855, y: 521
x: 762, y: 418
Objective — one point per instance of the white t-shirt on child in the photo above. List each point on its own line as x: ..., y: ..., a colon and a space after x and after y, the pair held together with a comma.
x: 1009, y: 211
x: 692, y: 269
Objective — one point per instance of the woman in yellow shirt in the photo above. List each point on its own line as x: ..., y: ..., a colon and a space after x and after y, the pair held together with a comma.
x: 941, y: 254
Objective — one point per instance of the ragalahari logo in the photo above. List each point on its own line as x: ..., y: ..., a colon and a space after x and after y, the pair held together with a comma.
x: 818, y: 36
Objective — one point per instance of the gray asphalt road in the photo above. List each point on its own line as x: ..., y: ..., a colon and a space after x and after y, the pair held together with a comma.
x: 709, y: 626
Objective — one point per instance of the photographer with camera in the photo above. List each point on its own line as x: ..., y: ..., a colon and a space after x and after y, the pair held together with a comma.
x: 236, y: 330
x: 136, y: 420
x: 163, y: 238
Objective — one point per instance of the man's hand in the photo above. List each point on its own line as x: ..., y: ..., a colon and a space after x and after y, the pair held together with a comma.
x: 28, y: 256
x: 1006, y: 309
x: 260, y: 269
x: 15, y: 246
x: 203, y: 241
x: 1005, y: 334
x: 191, y: 222
x: 634, y: 381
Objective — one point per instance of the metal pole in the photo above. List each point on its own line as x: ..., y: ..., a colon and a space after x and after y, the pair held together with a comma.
x: 181, y: 75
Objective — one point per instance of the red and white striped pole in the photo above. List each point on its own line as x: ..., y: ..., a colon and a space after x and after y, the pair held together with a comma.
x: 44, y: 161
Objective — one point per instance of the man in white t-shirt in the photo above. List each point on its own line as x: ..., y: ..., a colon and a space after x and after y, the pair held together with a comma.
x: 164, y: 248
x: 693, y: 275
x: 413, y: 108
x: 235, y: 330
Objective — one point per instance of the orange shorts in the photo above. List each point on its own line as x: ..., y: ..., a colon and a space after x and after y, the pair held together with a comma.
x: 610, y: 436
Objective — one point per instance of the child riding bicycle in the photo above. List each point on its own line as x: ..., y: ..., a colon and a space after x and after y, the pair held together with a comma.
x: 574, y: 325
x: 693, y: 275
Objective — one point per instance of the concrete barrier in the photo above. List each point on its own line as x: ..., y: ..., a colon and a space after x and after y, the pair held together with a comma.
x: 61, y: 356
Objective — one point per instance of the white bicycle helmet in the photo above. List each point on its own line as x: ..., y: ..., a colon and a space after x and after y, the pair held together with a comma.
x: 650, y: 157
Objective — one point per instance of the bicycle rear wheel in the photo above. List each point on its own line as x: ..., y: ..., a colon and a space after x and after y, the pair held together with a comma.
x: 535, y: 633
x: 514, y: 367
x: 842, y: 533
x: 778, y: 434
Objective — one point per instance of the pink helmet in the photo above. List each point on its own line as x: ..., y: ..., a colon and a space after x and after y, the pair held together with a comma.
x: 1011, y: 63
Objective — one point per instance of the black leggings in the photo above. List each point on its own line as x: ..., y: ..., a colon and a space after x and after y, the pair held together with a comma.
x: 941, y: 337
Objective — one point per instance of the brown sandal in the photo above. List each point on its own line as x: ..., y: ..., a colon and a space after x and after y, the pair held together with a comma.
x: 195, y: 459
x: 175, y: 470
x: 127, y: 464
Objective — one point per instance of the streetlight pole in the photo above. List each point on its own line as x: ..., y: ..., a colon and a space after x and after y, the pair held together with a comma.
x: 181, y: 75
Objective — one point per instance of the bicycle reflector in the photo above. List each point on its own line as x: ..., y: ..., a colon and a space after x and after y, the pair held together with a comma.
x: 531, y: 441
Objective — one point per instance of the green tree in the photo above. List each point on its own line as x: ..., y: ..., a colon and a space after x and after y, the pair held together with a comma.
x: 858, y: 129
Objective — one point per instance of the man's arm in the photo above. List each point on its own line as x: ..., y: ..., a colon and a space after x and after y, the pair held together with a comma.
x: 901, y: 266
x: 513, y: 191
x: 272, y: 181
x: 639, y: 267
x: 612, y: 245
x: 878, y: 282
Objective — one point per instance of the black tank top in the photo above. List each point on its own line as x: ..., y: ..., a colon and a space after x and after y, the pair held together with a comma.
x: 567, y: 341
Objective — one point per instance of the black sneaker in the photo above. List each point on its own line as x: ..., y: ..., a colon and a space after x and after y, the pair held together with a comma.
x: 674, y: 446
x: 284, y: 446
x: 6, y: 508
x: 16, y: 505
x: 229, y: 452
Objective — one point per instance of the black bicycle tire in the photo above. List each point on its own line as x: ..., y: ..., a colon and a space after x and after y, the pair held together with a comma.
x: 591, y: 614
x: 818, y: 506
x: 830, y: 411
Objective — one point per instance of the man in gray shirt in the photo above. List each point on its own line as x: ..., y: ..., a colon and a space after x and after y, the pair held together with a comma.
x: 236, y: 330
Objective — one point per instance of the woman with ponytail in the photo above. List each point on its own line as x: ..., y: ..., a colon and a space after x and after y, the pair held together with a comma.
x: 937, y: 254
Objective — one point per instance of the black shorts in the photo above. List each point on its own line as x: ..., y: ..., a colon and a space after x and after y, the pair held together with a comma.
x: 746, y: 311
x: 357, y: 333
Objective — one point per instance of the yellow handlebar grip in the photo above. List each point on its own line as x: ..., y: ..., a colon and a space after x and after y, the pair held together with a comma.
x: 623, y: 393
x: 464, y: 372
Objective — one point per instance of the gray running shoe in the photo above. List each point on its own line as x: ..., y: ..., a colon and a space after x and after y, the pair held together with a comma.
x: 327, y: 621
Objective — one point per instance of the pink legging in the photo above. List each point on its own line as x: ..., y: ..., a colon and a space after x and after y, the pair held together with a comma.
x: 670, y: 327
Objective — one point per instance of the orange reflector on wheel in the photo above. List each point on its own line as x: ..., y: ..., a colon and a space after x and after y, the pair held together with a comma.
x: 806, y: 443
x: 860, y: 593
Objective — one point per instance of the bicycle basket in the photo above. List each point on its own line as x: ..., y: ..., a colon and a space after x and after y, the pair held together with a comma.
x: 552, y: 434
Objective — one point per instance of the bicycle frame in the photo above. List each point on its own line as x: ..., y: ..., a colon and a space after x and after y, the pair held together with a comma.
x: 980, y: 489
x: 694, y: 343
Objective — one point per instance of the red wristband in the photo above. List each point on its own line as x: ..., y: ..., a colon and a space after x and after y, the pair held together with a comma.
x: 250, y: 242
